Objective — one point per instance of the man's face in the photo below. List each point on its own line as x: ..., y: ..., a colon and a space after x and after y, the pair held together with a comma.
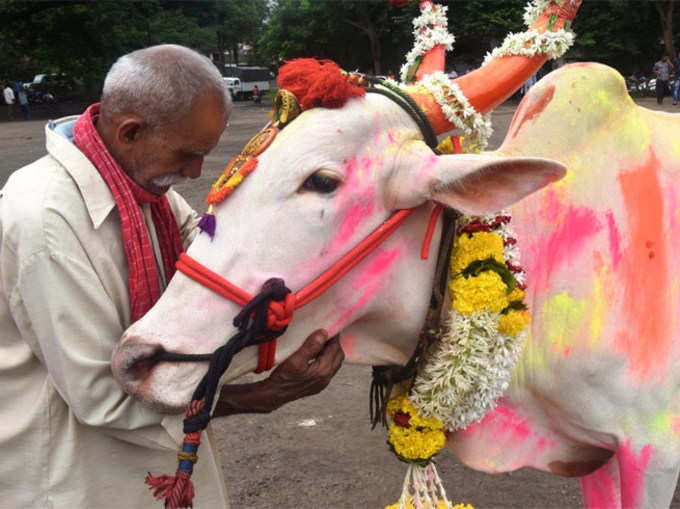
x: 175, y: 152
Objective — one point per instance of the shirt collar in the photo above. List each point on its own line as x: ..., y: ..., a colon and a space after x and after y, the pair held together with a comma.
x: 94, y: 190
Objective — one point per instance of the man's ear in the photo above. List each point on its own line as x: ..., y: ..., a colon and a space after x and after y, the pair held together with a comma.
x: 129, y: 130
x: 472, y: 184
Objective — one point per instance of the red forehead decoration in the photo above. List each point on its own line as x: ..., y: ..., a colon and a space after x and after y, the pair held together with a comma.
x: 317, y: 83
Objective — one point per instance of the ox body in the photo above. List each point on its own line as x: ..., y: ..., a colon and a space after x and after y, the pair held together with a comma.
x: 595, y: 392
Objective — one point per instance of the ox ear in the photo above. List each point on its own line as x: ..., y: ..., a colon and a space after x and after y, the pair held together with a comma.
x: 472, y: 184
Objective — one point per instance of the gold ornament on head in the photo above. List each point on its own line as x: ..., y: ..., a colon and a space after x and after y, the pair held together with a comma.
x: 285, y: 108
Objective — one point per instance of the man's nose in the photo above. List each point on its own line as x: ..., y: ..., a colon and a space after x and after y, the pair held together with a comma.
x: 192, y: 170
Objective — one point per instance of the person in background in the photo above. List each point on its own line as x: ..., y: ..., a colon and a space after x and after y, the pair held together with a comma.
x: 676, y: 86
x: 662, y: 69
x: 10, y: 98
x: 23, y: 101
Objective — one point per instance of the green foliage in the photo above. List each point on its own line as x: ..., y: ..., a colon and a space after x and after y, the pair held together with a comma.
x: 625, y: 34
x: 368, y: 35
x: 83, y: 38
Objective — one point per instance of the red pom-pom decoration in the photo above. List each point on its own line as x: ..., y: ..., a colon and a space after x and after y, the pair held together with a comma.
x: 317, y: 83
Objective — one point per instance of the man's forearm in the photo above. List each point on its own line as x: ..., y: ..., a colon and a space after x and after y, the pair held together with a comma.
x: 246, y: 398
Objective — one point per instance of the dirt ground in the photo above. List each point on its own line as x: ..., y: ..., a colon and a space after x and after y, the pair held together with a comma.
x: 320, y: 452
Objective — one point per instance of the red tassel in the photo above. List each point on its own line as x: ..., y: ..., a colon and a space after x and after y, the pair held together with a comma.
x: 317, y: 83
x: 178, y: 490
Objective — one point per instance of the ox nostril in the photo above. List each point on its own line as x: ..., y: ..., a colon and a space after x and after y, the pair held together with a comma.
x: 132, y: 362
x: 140, y: 367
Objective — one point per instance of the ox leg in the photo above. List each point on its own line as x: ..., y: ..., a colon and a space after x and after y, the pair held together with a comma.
x: 641, y: 478
x: 602, y: 488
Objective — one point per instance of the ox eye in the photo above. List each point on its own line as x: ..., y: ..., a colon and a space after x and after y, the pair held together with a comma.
x: 322, y: 183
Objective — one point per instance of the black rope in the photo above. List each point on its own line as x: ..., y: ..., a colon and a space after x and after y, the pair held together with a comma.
x: 384, y: 378
x: 401, y: 98
x: 252, y: 330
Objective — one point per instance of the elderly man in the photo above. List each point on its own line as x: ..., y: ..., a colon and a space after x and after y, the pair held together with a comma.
x: 88, y: 239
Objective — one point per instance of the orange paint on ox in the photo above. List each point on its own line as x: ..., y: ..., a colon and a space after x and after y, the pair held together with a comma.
x: 645, y: 337
x: 529, y: 112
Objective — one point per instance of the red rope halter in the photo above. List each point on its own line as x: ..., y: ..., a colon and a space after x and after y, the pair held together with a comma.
x: 281, y: 313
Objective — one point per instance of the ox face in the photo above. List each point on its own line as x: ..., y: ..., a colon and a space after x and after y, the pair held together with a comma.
x: 328, y: 180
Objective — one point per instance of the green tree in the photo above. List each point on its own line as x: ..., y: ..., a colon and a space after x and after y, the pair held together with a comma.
x: 369, y: 35
x: 83, y: 39
x: 665, y: 9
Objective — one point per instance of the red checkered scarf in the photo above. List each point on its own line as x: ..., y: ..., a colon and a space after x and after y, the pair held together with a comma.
x: 144, y: 284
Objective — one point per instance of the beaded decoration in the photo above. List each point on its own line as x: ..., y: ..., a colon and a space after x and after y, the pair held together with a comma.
x: 285, y: 109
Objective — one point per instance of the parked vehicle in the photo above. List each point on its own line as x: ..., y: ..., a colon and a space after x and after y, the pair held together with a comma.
x: 241, y: 80
x: 50, y: 87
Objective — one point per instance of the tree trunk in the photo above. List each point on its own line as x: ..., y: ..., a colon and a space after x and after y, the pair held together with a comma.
x: 373, y: 40
x: 665, y: 10
x: 220, y: 50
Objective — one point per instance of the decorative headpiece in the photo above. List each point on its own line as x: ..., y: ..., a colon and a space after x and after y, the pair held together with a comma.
x: 304, y: 83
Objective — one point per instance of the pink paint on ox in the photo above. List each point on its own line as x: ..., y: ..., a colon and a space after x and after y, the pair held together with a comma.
x: 633, y: 469
x: 573, y: 227
x: 369, y: 278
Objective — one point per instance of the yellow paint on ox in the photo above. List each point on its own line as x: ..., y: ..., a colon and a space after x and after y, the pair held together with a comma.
x: 563, y: 316
x: 597, y: 312
x: 665, y: 431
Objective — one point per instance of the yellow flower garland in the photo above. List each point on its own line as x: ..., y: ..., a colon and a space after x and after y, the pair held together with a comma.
x: 418, y: 439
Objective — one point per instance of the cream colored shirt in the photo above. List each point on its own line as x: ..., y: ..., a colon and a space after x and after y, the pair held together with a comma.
x: 69, y: 436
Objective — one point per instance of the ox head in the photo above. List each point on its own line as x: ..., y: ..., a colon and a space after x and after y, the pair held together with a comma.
x: 327, y: 180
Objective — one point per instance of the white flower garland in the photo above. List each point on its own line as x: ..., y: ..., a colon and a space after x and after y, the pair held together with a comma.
x: 551, y: 44
x: 458, y: 110
x: 430, y: 30
x: 535, y: 8
x: 471, y: 365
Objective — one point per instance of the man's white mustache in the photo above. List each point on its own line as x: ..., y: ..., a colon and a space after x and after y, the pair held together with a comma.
x: 168, y: 180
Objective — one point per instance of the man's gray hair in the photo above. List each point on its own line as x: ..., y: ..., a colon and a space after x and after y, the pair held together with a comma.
x: 160, y: 84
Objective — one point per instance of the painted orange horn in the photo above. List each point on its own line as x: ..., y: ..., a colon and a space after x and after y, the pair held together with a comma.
x: 491, y: 84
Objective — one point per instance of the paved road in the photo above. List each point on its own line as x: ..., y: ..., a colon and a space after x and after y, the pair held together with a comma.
x: 319, y: 452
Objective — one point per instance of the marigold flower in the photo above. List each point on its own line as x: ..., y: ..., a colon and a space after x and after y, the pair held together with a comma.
x: 478, y: 246
x: 478, y: 293
x: 513, y: 322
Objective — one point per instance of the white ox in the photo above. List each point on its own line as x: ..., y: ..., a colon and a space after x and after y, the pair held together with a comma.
x: 595, y: 394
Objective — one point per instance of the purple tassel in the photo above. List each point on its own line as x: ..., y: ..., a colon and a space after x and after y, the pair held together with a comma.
x: 208, y: 224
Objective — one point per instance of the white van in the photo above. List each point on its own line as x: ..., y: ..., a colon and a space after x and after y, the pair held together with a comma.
x: 233, y: 84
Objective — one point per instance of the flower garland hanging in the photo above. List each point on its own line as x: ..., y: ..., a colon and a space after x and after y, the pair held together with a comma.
x: 471, y: 365
x: 415, y: 440
x: 430, y: 30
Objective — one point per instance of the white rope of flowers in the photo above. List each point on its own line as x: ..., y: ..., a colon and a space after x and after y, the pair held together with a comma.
x: 458, y: 110
x: 430, y: 30
x: 470, y: 367
x: 534, y: 8
x: 531, y: 43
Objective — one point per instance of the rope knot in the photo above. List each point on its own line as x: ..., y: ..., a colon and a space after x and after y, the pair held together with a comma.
x: 197, y: 422
x: 280, y: 313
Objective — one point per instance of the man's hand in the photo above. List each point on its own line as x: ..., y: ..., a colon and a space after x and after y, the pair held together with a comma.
x: 307, y: 371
